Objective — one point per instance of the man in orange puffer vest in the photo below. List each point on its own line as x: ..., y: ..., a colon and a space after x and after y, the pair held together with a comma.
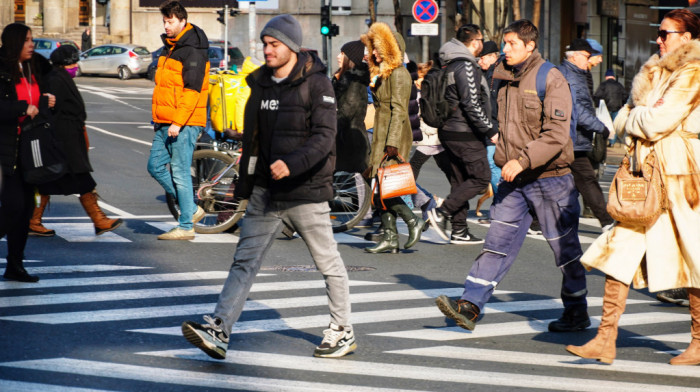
x: 179, y: 113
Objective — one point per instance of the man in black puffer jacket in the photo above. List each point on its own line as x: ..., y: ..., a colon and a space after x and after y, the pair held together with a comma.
x: 286, y: 173
x: 463, y: 131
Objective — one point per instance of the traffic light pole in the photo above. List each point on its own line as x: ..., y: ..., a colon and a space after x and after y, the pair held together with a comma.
x: 226, y: 36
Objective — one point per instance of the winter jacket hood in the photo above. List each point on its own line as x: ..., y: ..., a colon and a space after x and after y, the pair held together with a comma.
x: 191, y: 35
x: 389, y: 45
x: 453, y: 50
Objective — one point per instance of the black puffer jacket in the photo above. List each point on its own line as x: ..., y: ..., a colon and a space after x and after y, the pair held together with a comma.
x: 587, y: 122
x: 294, y: 121
x: 414, y: 111
x: 352, y: 145
x: 11, y: 109
x: 613, y: 93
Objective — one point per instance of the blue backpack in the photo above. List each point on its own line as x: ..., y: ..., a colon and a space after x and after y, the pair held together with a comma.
x: 541, y: 86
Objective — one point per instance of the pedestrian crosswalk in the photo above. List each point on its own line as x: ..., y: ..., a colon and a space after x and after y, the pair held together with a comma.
x: 404, y: 341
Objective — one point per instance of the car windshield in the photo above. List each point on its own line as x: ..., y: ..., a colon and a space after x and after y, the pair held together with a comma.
x: 69, y: 43
x: 141, y: 51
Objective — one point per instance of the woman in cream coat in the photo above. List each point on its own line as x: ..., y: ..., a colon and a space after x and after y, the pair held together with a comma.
x: 662, y: 114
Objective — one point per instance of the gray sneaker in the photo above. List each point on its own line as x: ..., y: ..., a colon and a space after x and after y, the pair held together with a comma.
x: 209, y: 337
x: 337, y: 342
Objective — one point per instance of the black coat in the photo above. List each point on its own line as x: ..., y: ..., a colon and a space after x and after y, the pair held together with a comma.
x: 294, y: 121
x: 352, y: 145
x: 86, y: 42
x: 613, y: 93
x: 69, y: 120
x: 11, y: 110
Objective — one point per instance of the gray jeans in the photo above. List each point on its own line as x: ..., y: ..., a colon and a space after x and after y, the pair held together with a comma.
x: 262, y: 222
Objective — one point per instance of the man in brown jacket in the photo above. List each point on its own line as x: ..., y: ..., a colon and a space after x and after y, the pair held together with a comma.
x: 534, y: 151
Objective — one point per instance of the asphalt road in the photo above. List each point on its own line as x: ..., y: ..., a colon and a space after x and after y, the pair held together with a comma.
x: 106, y: 314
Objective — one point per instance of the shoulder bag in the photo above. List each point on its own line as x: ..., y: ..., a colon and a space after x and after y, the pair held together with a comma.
x: 637, y: 197
x: 41, y: 158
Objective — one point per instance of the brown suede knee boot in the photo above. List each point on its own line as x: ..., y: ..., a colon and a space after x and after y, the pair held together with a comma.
x: 691, y: 355
x: 603, y: 347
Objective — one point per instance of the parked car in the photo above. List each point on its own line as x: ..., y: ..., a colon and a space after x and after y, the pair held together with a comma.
x: 151, y: 74
x: 123, y: 60
x: 44, y: 46
x: 216, y: 58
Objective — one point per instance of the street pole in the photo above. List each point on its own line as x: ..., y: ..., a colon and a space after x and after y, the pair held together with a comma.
x: 426, y: 51
x: 325, y: 45
x: 252, y: 27
x: 226, y: 36
x: 93, y: 31
x: 330, y: 43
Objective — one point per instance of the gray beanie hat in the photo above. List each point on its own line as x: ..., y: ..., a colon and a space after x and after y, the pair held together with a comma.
x: 286, y: 29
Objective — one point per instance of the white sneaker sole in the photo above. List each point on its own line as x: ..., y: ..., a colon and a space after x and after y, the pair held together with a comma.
x: 436, y: 225
x: 339, y: 353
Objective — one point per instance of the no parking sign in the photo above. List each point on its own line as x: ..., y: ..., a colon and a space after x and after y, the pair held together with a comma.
x: 425, y: 11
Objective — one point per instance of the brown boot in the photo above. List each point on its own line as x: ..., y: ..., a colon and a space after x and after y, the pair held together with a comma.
x: 99, y: 219
x: 35, y: 227
x: 602, y: 347
x: 691, y: 355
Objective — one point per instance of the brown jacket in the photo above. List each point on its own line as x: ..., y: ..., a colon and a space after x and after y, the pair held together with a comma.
x: 533, y: 132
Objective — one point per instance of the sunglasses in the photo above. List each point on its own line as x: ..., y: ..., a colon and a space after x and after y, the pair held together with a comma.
x: 664, y: 33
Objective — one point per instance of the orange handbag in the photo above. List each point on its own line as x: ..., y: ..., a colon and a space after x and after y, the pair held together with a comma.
x: 395, y: 180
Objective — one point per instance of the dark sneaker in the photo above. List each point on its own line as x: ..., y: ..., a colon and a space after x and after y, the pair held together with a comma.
x: 438, y: 220
x: 462, y: 236
x: 209, y: 337
x: 337, y: 342
x: 674, y: 296
x: 575, y: 318
x: 463, y: 312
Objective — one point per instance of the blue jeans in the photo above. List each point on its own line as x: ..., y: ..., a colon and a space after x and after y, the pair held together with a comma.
x: 495, y: 170
x: 555, y: 201
x: 176, y: 151
x: 263, y: 220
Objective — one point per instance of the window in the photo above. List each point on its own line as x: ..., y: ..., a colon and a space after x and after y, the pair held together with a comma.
x: 141, y: 51
x: 117, y: 50
x: 41, y: 44
x: 98, y: 51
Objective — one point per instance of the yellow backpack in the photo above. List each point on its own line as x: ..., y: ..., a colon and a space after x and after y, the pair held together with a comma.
x: 228, y: 95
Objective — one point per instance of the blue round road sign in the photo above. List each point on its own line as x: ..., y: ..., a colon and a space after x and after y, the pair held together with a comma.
x: 425, y: 11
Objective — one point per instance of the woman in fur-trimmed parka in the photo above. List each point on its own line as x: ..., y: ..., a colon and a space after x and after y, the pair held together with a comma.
x: 662, y: 114
x: 391, y: 87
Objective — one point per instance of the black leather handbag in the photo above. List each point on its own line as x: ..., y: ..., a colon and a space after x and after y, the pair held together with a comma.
x: 41, y: 158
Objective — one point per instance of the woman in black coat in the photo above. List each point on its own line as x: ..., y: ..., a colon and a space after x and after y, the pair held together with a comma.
x: 22, y: 76
x: 350, y: 86
x: 69, y: 120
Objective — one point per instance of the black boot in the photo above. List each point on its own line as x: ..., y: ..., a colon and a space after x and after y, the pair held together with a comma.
x: 414, y: 223
x: 376, y: 235
x: 15, y: 271
x: 575, y: 318
x: 390, y: 241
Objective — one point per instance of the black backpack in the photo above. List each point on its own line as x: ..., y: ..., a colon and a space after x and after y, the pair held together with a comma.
x: 434, y: 109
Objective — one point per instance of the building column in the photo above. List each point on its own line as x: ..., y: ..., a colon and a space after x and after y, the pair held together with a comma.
x: 120, y: 19
x: 53, y: 13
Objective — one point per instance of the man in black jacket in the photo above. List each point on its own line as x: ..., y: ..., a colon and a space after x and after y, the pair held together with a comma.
x: 286, y: 173
x: 463, y: 131
x: 613, y: 93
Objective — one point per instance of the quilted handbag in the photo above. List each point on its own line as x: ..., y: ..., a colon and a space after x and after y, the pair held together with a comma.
x: 395, y: 180
x: 637, y: 197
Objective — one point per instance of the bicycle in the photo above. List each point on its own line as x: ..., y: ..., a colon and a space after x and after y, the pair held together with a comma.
x: 214, y: 173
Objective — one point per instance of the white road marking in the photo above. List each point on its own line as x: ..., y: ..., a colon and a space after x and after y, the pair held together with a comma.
x: 125, y: 279
x: 413, y: 372
x: 551, y: 360
x: 67, y: 269
x: 131, y: 139
x: 22, y: 386
x: 671, y: 337
x: 524, y: 327
x: 198, y: 238
x: 84, y: 232
x: 198, y: 380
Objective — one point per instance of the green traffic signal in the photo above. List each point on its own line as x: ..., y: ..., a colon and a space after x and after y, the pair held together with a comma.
x: 325, y: 30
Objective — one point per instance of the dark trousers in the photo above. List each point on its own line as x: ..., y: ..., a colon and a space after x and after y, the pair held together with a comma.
x: 418, y: 159
x: 555, y: 202
x: 587, y: 184
x: 470, y: 175
x: 17, y: 207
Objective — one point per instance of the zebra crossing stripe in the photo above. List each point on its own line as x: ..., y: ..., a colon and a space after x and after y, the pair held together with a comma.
x: 198, y: 238
x: 377, y: 316
x: 199, y: 380
x: 671, y: 337
x: 551, y: 360
x: 84, y: 232
x: 423, y: 373
x: 524, y: 327
x: 4, y: 261
x: 66, y: 269
x: 21, y: 386
x: 124, y: 279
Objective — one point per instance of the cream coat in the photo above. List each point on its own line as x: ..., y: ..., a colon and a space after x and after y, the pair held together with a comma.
x: 663, y: 112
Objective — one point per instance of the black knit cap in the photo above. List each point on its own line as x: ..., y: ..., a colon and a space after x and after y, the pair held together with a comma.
x: 355, y: 50
x: 65, y: 55
x: 579, y: 44
x: 489, y: 47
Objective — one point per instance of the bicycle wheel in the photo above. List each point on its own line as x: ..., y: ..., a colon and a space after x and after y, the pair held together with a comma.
x: 213, y: 192
x: 351, y: 200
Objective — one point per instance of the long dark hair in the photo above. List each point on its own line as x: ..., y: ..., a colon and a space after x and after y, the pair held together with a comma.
x: 13, y: 38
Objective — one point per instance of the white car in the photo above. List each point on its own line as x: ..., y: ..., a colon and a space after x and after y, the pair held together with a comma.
x: 123, y: 60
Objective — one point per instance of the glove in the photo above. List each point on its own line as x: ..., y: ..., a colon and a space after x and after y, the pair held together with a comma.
x: 392, y: 151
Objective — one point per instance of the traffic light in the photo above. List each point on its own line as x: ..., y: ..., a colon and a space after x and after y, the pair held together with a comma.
x: 233, y: 9
x: 325, y: 20
x: 335, y: 30
x: 222, y: 16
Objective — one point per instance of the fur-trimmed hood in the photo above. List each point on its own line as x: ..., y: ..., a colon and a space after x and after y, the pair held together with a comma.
x: 390, y: 46
x: 642, y: 84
